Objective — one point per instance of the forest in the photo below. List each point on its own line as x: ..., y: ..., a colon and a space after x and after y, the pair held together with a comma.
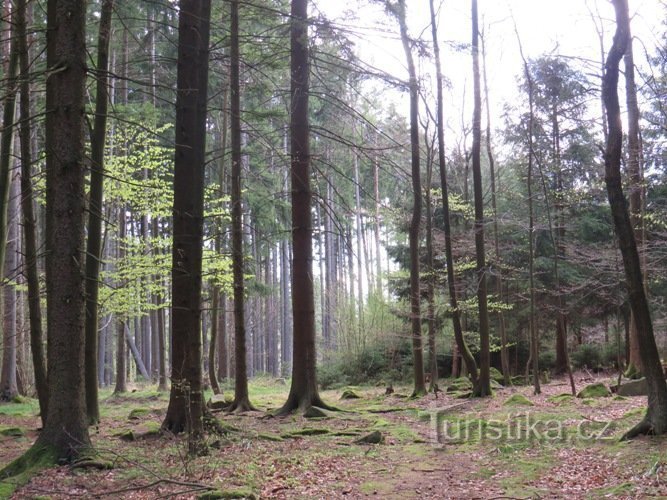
x: 313, y: 249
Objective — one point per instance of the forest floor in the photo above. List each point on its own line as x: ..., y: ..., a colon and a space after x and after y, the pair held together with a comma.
x: 546, y: 446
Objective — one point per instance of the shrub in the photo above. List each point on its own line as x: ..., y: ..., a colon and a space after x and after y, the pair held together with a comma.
x: 587, y: 355
x: 547, y: 360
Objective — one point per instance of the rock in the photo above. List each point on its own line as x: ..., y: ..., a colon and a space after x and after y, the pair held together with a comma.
x: 594, y: 391
x: 633, y: 388
x: 12, y: 432
x: 518, y: 400
x: 561, y: 399
x: 217, y: 402
x: 374, y: 437
x: 281, y: 381
x: 226, y: 494
x: 496, y: 375
x: 349, y: 394
x: 137, y: 413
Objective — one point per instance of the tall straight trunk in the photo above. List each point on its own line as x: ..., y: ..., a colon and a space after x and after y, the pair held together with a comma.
x: 186, y: 401
x: 433, y: 359
x: 635, y: 195
x: 285, y: 315
x: 8, y: 383
x: 28, y: 211
x: 159, y: 324
x: 65, y: 433
x: 94, y: 241
x: 504, y: 350
x: 303, y: 390
x: 461, y: 345
x: 8, y: 387
x: 483, y: 388
x: 376, y: 227
x: 415, y: 223
x: 121, y: 355
x: 533, y: 335
x: 241, y: 399
x: 655, y: 420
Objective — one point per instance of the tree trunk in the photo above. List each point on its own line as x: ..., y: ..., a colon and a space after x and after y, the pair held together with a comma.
x: 415, y: 312
x: 504, y: 350
x: 94, y: 242
x: 655, y: 420
x: 121, y: 368
x: 483, y: 388
x: 303, y: 390
x: 186, y: 401
x: 433, y: 359
x: 241, y: 399
x: 65, y: 432
x: 9, y: 383
x: 461, y: 346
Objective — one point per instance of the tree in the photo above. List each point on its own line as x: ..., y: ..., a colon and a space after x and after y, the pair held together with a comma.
x: 303, y: 392
x: 483, y: 387
x: 186, y: 403
x: 241, y: 400
x: 94, y: 241
x: 28, y: 212
x: 655, y: 420
x: 461, y: 345
x: 65, y: 433
x: 398, y: 10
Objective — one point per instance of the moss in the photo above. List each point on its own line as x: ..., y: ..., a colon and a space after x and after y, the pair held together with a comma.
x: 269, y: 437
x: 561, y: 399
x: 25, y: 467
x: 137, y: 413
x: 314, y: 412
x: 125, y: 435
x: 518, y: 400
x: 376, y: 488
x: 496, y: 375
x: 12, y: 431
x: 311, y: 432
x: 374, y: 437
x: 349, y: 394
x: 20, y: 400
x: 619, y: 398
x: 598, y: 390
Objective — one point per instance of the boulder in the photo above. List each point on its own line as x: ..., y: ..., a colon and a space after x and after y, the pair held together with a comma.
x: 633, y: 388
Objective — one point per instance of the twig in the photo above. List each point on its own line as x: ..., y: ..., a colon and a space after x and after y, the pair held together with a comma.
x: 195, y: 486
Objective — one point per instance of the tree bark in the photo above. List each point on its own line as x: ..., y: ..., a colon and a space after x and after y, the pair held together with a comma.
x: 186, y: 402
x: 483, y: 387
x: 94, y: 242
x: 303, y: 390
x: 461, y: 345
x: 65, y: 432
x: 241, y: 401
x: 655, y: 420
x: 121, y: 356
x: 415, y: 223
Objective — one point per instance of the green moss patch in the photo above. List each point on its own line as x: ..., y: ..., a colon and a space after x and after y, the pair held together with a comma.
x: 228, y: 494
x: 12, y: 431
x: 138, y: 413
x: 518, y: 400
x: 561, y: 399
x: 598, y: 390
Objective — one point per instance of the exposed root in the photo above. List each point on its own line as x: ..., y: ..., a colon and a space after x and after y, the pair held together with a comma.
x: 294, y: 404
x: 643, y: 428
x: 241, y: 405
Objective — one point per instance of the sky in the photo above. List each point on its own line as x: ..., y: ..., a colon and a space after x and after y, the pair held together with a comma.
x: 563, y: 27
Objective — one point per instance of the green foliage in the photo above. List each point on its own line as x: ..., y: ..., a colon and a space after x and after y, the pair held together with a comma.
x: 547, y: 360
x: 587, y: 356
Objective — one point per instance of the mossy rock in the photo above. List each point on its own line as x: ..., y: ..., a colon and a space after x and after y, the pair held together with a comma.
x: 126, y: 435
x: 269, y: 437
x: 19, y: 400
x: 496, y: 375
x: 138, y: 413
x: 598, y: 390
x: 374, y: 437
x: 619, y: 398
x: 12, y: 431
x: 228, y: 494
x: 461, y: 394
x: 218, y: 402
x: 518, y: 400
x: 349, y: 394
x: 561, y: 399
x: 459, y: 384
x: 311, y: 432
x: 519, y: 380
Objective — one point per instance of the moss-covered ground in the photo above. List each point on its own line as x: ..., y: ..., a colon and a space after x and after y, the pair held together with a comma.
x: 514, y: 445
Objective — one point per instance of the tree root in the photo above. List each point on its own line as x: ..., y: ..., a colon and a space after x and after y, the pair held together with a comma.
x: 241, y: 405
x: 303, y: 404
x: 643, y: 428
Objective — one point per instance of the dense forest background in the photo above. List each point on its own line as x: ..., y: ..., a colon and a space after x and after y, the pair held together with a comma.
x: 555, y: 278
